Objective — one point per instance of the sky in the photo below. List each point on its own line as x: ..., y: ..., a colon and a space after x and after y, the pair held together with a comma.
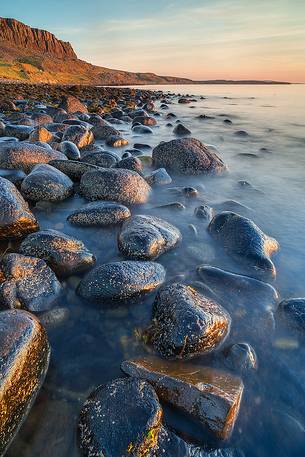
x: 198, y: 39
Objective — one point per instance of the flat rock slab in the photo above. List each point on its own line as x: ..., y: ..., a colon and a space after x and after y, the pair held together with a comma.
x: 147, y: 237
x: 63, y: 253
x: 16, y: 219
x: 121, y: 280
x: 186, y: 323
x: 27, y: 283
x: 99, y: 214
x: 120, y: 419
x: 208, y: 395
x: 24, y: 360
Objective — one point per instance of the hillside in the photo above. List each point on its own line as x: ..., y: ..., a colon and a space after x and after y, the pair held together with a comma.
x: 32, y: 55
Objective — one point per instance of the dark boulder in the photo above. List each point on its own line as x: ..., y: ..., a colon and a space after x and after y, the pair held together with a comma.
x: 105, y: 431
x: 187, y: 156
x: 121, y: 280
x: 208, y: 395
x: 46, y: 183
x: 186, y: 323
x: 27, y: 283
x: 293, y: 309
x: 73, y: 168
x: 158, y: 177
x: 147, y: 237
x: 16, y: 219
x: 120, y: 185
x: 131, y: 163
x: 70, y: 150
x: 100, y: 159
x: 240, y: 357
x: 78, y: 135
x: 99, y: 214
x: 63, y: 253
x: 24, y: 358
x: 181, y: 130
x: 244, y: 241
x: 22, y: 132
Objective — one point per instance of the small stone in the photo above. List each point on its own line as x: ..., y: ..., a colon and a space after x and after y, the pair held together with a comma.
x: 101, y: 213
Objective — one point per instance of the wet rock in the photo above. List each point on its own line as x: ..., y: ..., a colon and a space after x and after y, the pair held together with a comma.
x: 293, y: 309
x: 142, y: 130
x: 24, y: 362
x: 120, y: 185
x: 78, y: 135
x: 99, y: 214
x: 23, y: 156
x: 41, y: 134
x: 46, y: 183
x: 184, y: 100
x: 27, y: 283
x: 63, y: 253
x: 181, y: 130
x: 204, y: 212
x: 72, y: 168
x: 105, y: 431
x: 103, y: 132
x: 73, y: 105
x: 142, y: 147
x: 121, y: 280
x: 116, y: 141
x: 22, y: 132
x: 244, y: 241
x: 16, y: 219
x: 240, y: 357
x: 187, y: 156
x: 131, y: 163
x: 41, y: 118
x: 209, y: 396
x: 158, y: 177
x: 241, y: 133
x: 145, y: 120
x: 173, y: 205
x: 100, y: 159
x: 70, y: 150
x: 186, y: 323
x: 147, y: 237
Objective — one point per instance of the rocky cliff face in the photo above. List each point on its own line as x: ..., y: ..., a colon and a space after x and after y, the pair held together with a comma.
x: 18, y: 34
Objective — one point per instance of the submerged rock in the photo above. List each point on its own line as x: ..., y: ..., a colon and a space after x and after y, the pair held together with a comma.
x: 46, y: 183
x: 24, y: 358
x: 158, y: 177
x: 99, y: 213
x: 243, y: 240
x: 147, y: 237
x: 65, y: 255
x: 16, y: 219
x: 240, y: 357
x: 120, y: 185
x: 209, y: 396
x: 105, y: 431
x: 181, y: 130
x: 27, y: 283
x: 293, y: 309
x: 121, y: 280
x: 187, y: 156
x: 24, y: 156
x: 186, y: 323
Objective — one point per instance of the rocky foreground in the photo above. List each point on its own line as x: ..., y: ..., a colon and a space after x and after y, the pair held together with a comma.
x: 54, y: 147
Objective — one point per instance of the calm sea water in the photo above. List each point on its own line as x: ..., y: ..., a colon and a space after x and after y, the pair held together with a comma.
x: 88, y: 347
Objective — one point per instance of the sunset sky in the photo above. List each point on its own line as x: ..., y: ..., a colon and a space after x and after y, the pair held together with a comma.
x: 199, y: 39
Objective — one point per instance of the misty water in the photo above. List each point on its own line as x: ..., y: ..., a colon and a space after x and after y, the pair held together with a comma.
x: 88, y: 347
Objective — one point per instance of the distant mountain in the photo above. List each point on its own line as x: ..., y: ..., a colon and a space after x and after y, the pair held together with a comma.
x: 34, y: 55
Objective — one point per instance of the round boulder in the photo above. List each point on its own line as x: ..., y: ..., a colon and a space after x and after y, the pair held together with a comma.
x: 99, y: 214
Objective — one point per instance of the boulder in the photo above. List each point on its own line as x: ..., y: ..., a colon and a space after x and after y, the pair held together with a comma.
x: 103, y: 132
x: 207, y: 395
x: 187, y: 156
x: 23, y: 156
x: 158, y: 177
x: 78, y: 135
x: 99, y: 214
x: 105, y: 431
x: 119, y: 185
x: 293, y: 309
x: 147, y: 237
x: 24, y: 359
x: 186, y: 323
x: 22, y: 132
x: 73, y: 105
x: 73, y: 168
x: 63, y: 253
x: 121, y: 280
x: 245, y: 241
x: 46, y: 183
x: 100, y: 159
x: 27, y: 283
x: 16, y: 219
x: 70, y: 150
x: 41, y: 134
